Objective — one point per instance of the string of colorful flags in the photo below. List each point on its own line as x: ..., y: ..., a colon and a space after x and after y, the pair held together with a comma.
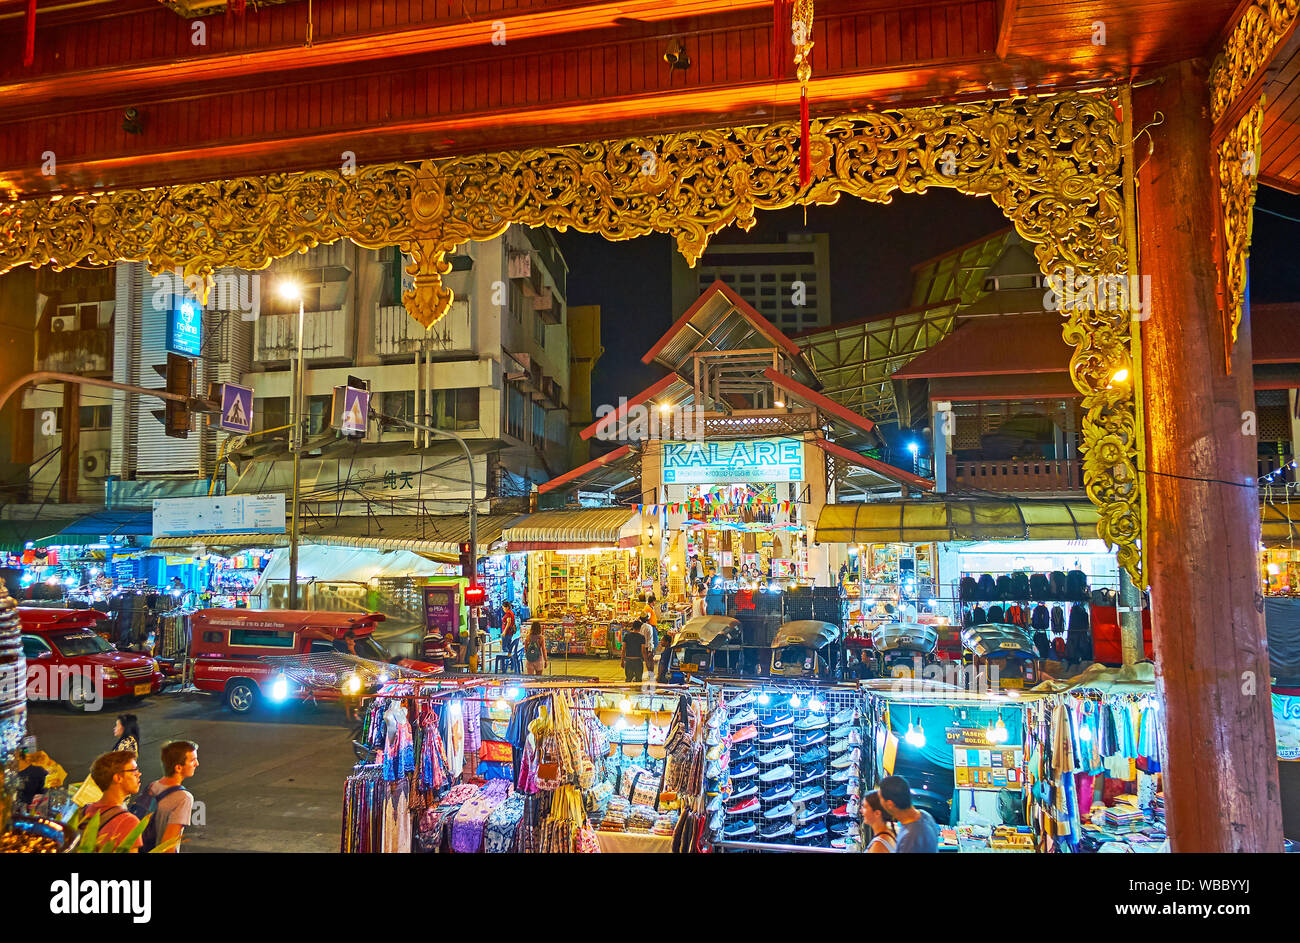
x: 713, y: 507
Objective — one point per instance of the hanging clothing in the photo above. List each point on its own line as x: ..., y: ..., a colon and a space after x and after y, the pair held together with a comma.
x: 1078, y: 640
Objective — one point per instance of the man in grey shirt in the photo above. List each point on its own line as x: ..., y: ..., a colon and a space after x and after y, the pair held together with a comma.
x: 917, y: 831
x: 180, y: 759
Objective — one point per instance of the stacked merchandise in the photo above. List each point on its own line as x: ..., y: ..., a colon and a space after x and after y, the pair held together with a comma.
x: 792, y: 761
x: 665, y: 824
x: 615, y: 819
x: 1081, y: 743
x: 1020, y: 599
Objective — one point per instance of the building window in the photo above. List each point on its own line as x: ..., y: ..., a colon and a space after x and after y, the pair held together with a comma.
x: 274, y: 413
x: 516, y: 414
x: 516, y: 303
x: 399, y: 404
x: 261, y: 638
x: 274, y: 303
x: 319, y: 413
x: 390, y: 289
x: 456, y: 409
x: 96, y: 417
x: 539, y: 330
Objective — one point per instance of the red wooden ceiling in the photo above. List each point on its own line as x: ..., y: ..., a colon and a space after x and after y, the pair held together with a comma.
x: 1280, y: 165
x: 403, y: 79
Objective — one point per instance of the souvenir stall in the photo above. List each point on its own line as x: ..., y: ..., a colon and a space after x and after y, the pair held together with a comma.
x: 740, y: 532
x: 232, y: 579
x: 578, y: 594
x: 962, y: 752
x: 504, y: 576
x: 1095, y: 748
x: 881, y: 584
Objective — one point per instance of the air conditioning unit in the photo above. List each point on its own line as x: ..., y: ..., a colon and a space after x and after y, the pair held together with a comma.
x: 59, y: 325
x: 94, y: 464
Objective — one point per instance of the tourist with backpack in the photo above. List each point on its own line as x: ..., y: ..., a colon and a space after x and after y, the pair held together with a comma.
x: 117, y: 774
x: 534, y: 650
x: 167, y: 799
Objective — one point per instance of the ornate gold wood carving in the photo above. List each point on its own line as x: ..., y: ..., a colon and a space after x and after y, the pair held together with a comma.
x: 1051, y: 164
x: 1249, y: 47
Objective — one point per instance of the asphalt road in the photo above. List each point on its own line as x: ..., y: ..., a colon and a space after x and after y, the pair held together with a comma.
x: 269, y: 783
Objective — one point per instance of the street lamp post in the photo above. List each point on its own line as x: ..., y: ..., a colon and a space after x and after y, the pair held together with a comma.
x: 289, y: 291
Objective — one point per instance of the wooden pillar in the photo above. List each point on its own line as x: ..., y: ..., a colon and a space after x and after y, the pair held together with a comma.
x: 70, y: 448
x: 1202, y: 555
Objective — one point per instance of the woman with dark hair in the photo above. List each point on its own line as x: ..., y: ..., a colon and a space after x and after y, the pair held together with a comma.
x: 127, y: 730
x: 881, y: 824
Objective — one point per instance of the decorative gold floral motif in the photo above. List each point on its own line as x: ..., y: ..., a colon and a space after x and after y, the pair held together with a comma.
x: 1249, y: 47
x: 1051, y: 164
x: 1238, y: 181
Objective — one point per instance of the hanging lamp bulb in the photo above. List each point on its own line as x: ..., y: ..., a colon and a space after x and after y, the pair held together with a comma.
x: 1001, y: 730
x: 920, y: 736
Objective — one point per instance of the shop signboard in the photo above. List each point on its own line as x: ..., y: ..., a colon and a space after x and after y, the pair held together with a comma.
x: 715, y: 462
x: 967, y: 736
x: 185, y: 328
x: 1286, y: 725
x: 442, y: 611
x: 228, y: 514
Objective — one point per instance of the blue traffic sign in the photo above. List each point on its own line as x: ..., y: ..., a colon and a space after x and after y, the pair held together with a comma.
x: 236, y: 408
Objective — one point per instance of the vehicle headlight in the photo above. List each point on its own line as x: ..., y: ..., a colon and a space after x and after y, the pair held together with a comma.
x: 112, y: 674
x: 352, y: 685
x: 280, y: 688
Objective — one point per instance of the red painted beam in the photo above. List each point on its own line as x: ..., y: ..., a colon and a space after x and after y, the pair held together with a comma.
x: 743, y: 308
x: 595, y: 463
x: 613, y: 418
x: 821, y: 402
x: 883, y: 469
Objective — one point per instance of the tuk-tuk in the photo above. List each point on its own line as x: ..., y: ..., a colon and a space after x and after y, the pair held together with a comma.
x: 806, y: 648
x: 1010, y: 647
x: 698, y: 641
x: 902, y: 643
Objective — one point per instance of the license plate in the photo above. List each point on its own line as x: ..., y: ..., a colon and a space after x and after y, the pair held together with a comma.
x: 143, y: 688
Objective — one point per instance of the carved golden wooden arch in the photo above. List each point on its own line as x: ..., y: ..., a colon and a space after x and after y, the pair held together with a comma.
x: 1053, y: 165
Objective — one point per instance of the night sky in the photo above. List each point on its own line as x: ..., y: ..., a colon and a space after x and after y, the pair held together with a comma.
x: 873, y: 248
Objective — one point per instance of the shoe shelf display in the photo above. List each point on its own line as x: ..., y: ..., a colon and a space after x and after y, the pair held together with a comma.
x: 792, y: 758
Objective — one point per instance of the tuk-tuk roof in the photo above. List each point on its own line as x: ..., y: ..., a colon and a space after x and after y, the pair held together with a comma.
x: 807, y: 632
x: 40, y: 619
x: 905, y: 637
x: 312, y: 623
x: 709, y: 631
x: 995, y: 639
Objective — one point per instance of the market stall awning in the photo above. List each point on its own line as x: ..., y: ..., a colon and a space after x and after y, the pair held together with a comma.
x: 589, y: 527
x: 899, y: 521
x: 346, y: 565
x: 110, y: 524
x: 433, y: 536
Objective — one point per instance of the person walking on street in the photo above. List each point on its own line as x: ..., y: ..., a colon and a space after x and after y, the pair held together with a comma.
x: 172, y: 802
x: 634, y: 651
x: 117, y: 774
x: 535, y: 650
x: 508, y: 625
x: 917, y: 831
x: 664, y: 658
x: 127, y: 730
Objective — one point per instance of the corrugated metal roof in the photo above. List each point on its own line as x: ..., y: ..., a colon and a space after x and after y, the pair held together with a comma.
x: 1027, y: 343
x: 586, y: 526
x: 877, y: 522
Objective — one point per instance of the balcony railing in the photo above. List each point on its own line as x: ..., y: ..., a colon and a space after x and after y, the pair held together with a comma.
x: 89, y: 351
x: 1033, y: 474
x: 325, y: 336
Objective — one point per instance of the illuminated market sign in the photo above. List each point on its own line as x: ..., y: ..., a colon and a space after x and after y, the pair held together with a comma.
x: 702, y: 463
x: 185, y: 328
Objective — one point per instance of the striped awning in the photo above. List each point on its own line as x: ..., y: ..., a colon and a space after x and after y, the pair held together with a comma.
x: 586, y: 527
x: 878, y: 522
x: 434, y: 536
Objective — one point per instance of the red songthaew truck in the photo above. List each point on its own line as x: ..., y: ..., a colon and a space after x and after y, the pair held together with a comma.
x: 229, y: 650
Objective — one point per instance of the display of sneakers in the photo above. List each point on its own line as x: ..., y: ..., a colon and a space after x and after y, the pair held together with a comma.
x: 846, y: 760
x: 778, y: 792
x: 812, y: 774
x: 781, y: 719
x: 740, y: 700
x: 716, y: 752
x: 839, y: 792
x: 748, y: 805
x: 744, y: 770
x: 853, y: 788
x: 715, y: 804
x: 812, y: 722
x: 778, y: 735
x: 714, y: 769
x: 846, y: 716
x: 808, y: 794
x: 844, y: 775
x: 744, y: 753
x: 855, y: 737
x: 812, y: 830
x: 813, y: 738
x: 779, y: 755
x: 717, y: 718
x: 777, y: 832
x: 842, y: 828
x: 744, y: 733
x: 838, y: 747
x: 783, y: 811
x: 779, y: 774
x: 745, y: 791
x: 842, y: 733
x: 739, y: 830
x: 746, y: 716
x: 815, y: 811
x: 817, y: 754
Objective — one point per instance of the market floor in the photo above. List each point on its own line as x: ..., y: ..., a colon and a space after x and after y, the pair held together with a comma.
x: 272, y: 783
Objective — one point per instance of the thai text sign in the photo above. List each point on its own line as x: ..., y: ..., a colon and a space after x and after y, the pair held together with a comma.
x: 701, y: 463
x: 228, y: 514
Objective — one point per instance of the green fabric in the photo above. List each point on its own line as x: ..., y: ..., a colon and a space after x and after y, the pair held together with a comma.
x: 14, y: 535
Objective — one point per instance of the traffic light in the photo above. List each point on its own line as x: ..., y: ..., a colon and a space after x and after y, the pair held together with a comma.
x: 179, y: 374
x: 475, y: 596
x: 467, y: 568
